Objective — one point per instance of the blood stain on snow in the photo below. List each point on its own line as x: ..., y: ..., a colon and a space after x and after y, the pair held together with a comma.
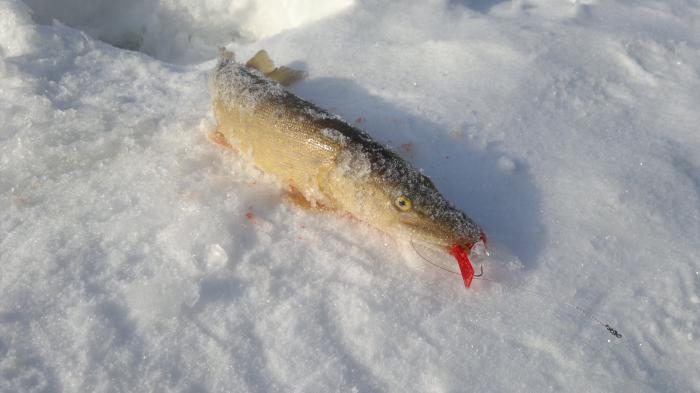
x: 407, y: 147
x: 249, y: 216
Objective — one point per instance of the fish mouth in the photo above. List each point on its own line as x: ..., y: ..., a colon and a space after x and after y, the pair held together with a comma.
x: 480, y: 247
x: 462, y: 251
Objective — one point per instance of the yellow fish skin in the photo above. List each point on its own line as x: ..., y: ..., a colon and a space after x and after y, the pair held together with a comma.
x: 324, y: 160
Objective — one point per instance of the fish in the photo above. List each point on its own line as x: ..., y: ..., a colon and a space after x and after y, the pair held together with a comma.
x: 325, y: 163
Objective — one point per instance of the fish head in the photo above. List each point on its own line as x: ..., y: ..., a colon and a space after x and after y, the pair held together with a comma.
x: 422, y: 213
x: 389, y: 193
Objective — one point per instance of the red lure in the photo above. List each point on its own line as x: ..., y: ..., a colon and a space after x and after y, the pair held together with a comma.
x: 465, y: 265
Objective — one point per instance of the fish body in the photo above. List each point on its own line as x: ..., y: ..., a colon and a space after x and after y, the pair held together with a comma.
x: 327, y: 162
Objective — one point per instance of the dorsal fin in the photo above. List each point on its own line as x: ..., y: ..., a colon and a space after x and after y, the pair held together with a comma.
x: 284, y: 75
x: 261, y: 62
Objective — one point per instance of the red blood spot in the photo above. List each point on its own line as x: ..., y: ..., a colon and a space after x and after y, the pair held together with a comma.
x: 407, y: 147
x: 249, y: 215
x: 360, y: 120
x: 465, y: 265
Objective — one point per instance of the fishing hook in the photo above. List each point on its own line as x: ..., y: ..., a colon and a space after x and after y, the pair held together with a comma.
x: 481, y: 267
x: 481, y: 272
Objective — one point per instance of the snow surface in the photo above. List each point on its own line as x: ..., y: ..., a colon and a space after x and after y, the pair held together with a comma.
x: 136, y: 256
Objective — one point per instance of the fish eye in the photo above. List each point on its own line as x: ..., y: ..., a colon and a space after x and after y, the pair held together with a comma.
x: 403, y: 203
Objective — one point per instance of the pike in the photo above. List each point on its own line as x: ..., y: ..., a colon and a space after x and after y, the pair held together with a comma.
x: 329, y: 164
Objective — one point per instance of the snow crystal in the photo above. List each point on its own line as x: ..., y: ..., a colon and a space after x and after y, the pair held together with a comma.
x: 334, y: 135
x: 317, y: 114
x: 506, y: 164
x: 242, y: 87
x: 216, y: 257
x: 354, y: 163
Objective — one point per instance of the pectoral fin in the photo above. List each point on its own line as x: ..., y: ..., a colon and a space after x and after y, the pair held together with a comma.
x: 323, y: 186
x: 295, y: 197
x: 284, y: 75
x: 219, y: 138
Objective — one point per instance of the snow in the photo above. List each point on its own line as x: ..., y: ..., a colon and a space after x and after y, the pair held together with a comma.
x: 136, y: 256
x: 183, y: 30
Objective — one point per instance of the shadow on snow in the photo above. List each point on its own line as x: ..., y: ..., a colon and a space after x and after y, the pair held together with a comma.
x: 504, y: 202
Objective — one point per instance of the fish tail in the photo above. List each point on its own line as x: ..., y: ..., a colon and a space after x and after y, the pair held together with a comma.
x: 225, y: 56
